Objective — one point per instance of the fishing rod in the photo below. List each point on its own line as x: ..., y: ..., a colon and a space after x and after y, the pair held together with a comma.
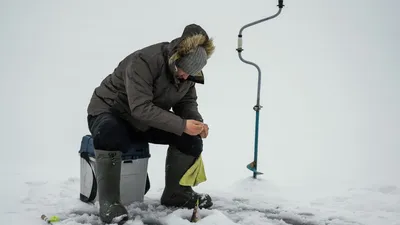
x: 253, y: 165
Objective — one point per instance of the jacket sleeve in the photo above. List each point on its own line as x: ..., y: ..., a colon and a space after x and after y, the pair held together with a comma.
x: 187, y: 107
x: 139, y: 89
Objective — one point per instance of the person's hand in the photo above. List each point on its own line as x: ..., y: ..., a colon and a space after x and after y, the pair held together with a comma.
x: 193, y: 127
x: 204, y: 133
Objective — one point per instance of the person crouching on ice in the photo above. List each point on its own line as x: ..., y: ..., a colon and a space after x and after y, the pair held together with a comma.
x: 134, y: 102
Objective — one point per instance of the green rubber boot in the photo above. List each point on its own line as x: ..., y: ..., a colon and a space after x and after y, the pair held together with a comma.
x: 176, y: 164
x: 108, y: 172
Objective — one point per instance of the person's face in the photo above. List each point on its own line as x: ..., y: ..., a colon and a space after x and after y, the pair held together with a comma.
x: 182, y: 74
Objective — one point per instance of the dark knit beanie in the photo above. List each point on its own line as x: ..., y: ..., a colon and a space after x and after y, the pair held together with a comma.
x: 193, y: 62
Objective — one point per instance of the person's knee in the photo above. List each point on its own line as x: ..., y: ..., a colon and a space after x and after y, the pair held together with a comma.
x: 192, y: 145
x: 109, y: 134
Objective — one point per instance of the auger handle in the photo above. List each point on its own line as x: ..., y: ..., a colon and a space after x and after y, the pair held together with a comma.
x: 280, y: 4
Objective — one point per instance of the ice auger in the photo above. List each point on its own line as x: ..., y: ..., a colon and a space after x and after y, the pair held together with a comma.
x: 253, y: 165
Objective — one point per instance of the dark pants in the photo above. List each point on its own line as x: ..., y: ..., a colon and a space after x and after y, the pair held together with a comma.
x: 112, y: 133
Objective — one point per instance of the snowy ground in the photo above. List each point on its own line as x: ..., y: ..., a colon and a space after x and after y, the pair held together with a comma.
x: 246, y: 201
x: 249, y: 202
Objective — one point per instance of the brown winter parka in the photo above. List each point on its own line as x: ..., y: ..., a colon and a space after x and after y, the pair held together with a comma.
x: 143, y: 87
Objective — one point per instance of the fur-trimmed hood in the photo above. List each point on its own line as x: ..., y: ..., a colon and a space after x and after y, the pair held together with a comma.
x: 193, y: 36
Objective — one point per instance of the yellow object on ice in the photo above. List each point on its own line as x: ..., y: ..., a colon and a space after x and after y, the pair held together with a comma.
x: 195, y: 174
x: 54, y: 219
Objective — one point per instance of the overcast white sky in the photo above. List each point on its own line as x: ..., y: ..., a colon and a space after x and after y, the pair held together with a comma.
x: 330, y: 87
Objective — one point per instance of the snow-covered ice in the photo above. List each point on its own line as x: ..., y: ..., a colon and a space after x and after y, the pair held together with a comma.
x: 329, y: 126
x: 247, y: 202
